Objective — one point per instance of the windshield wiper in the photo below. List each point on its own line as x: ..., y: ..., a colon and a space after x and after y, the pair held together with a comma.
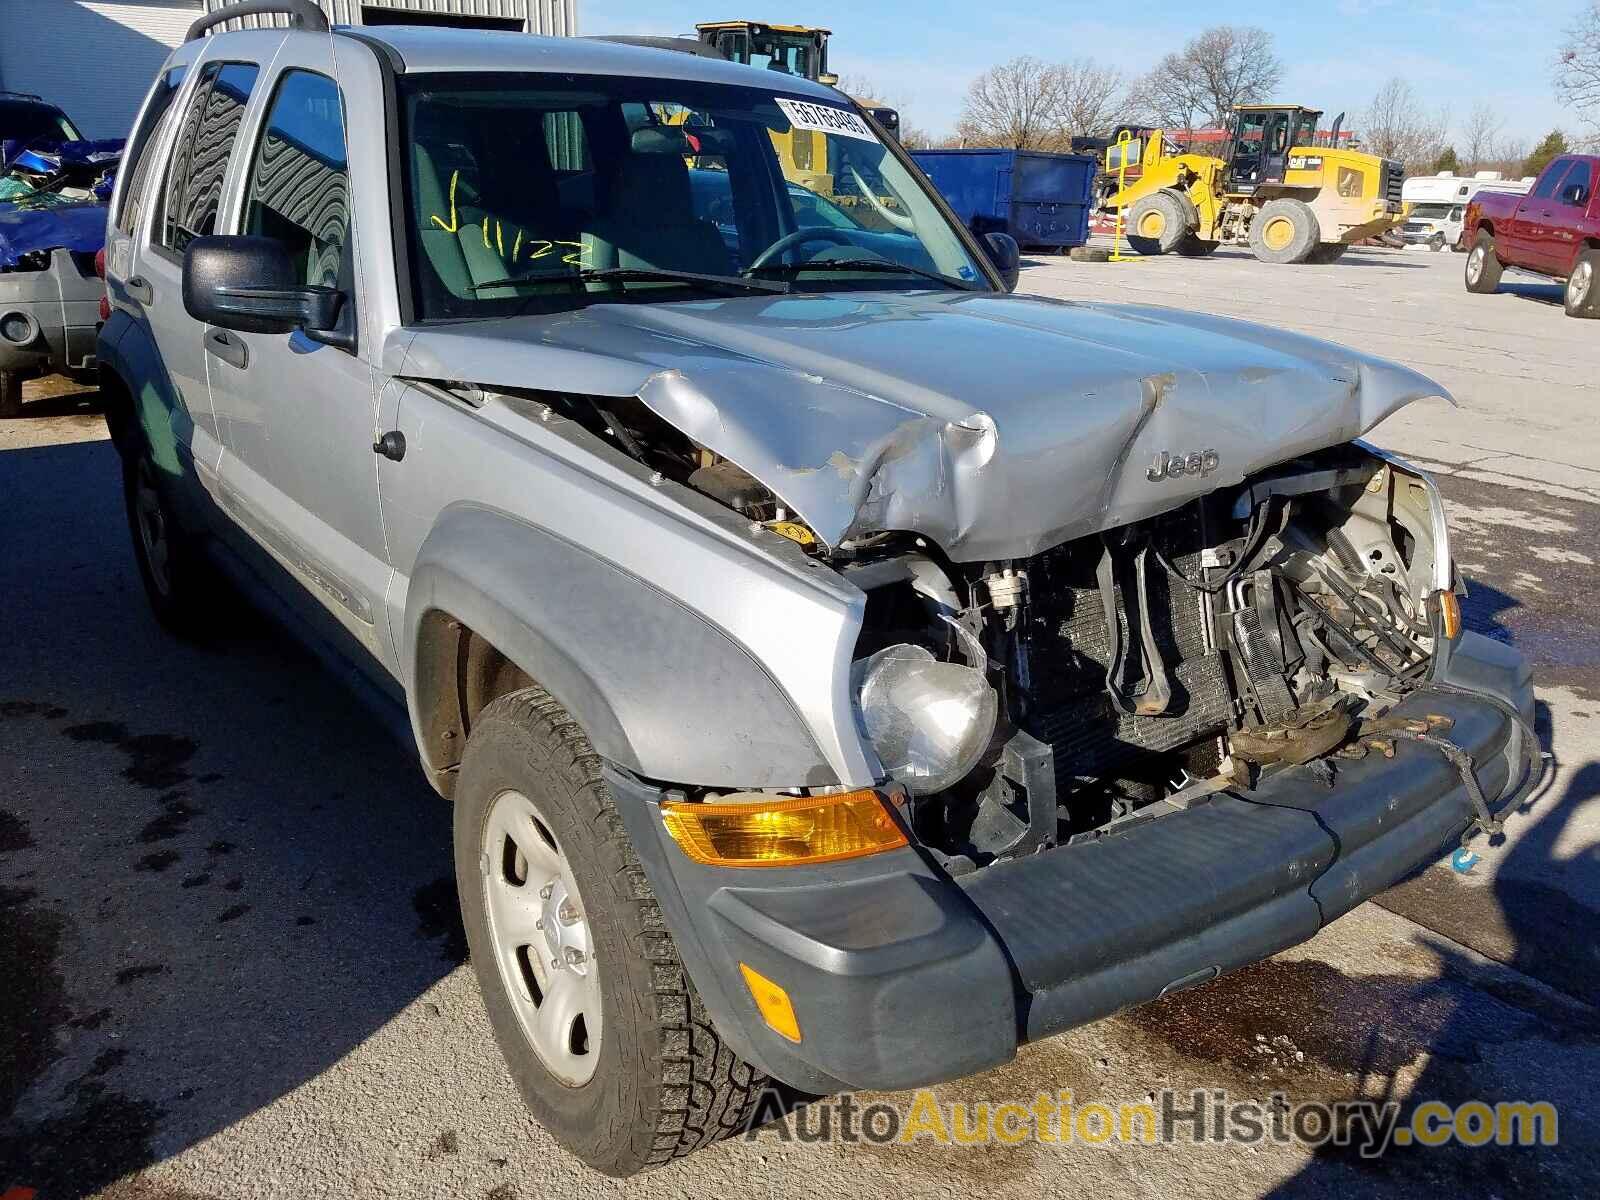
x: 882, y: 266
x: 730, y: 283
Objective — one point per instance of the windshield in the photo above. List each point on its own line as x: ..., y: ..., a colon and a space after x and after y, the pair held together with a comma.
x: 535, y: 193
x: 1430, y: 212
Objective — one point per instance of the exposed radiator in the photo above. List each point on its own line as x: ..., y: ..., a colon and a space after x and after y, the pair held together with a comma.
x: 1069, y: 650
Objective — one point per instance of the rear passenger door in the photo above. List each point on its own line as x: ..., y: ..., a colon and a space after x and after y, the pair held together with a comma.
x: 1527, y: 241
x: 183, y: 203
x: 298, y: 416
x: 1571, y: 202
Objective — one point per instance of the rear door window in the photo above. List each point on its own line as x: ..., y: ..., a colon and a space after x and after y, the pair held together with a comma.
x: 1581, y: 176
x: 1545, y: 189
x: 199, y: 162
x: 139, y: 158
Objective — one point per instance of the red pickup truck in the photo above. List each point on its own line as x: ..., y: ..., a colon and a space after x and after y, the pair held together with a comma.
x: 1554, y: 230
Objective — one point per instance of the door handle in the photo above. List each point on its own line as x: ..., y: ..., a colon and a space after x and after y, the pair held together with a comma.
x: 228, y: 348
x: 139, y: 289
x: 391, y: 445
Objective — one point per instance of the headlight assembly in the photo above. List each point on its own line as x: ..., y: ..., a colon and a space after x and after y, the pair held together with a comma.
x: 929, y: 721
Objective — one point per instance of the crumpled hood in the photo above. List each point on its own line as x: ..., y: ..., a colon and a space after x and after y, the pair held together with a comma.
x: 997, y: 426
x: 78, y: 227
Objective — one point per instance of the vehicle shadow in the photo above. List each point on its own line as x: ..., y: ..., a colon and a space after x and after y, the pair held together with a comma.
x: 1549, y: 294
x: 218, y: 873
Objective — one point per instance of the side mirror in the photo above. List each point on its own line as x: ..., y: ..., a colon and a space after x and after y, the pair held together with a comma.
x: 250, y: 284
x: 1006, y: 257
x: 1575, y: 194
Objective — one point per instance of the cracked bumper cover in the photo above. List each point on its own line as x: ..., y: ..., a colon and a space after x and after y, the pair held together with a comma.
x: 901, y: 976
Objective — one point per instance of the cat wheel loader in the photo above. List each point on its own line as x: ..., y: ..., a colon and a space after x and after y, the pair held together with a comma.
x: 1289, y: 193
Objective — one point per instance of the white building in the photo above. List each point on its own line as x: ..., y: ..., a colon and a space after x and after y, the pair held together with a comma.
x: 96, y: 58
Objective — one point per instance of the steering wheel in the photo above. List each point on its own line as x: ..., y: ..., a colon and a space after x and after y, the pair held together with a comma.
x: 811, y: 233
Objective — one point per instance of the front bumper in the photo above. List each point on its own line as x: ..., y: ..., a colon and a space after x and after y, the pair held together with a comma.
x: 901, y: 976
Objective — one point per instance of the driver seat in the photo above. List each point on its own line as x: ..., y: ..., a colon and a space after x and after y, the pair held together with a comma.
x: 650, y: 221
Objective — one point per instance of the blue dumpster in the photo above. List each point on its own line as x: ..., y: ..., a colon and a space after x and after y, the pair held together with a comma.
x: 1038, y: 198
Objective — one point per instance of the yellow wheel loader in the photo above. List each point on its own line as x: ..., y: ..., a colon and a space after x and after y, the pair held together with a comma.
x: 1289, y: 193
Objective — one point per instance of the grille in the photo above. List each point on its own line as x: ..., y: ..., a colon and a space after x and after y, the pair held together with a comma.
x: 1394, y: 174
x: 1069, y: 651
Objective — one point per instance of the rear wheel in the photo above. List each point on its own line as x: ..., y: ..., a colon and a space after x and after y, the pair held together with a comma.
x: 1583, y: 286
x: 599, y: 1023
x: 1160, y: 223
x: 10, y: 394
x: 1483, y: 266
x: 178, y: 581
x: 1328, y: 252
x: 1285, y: 231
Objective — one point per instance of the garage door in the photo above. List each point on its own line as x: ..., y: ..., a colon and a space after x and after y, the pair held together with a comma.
x: 95, y: 58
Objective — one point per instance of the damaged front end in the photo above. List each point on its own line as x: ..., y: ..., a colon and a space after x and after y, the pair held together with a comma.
x: 1269, y: 626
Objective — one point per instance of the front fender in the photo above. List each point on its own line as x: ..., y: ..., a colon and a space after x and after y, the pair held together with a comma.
x: 659, y: 689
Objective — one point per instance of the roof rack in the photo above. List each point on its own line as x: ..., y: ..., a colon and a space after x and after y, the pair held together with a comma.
x: 302, y: 14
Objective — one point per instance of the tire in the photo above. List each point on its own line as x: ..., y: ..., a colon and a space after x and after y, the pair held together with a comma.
x: 1285, y: 231
x: 178, y: 580
x: 1436, y: 242
x: 1483, y: 266
x: 1583, y: 287
x: 10, y: 394
x: 1327, y: 252
x: 1194, y: 246
x: 649, y: 1079
x: 1160, y: 222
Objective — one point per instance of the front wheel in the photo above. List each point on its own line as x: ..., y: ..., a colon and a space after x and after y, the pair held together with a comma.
x: 10, y: 394
x: 1285, y: 231
x: 1483, y: 266
x: 1436, y: 242
x: 1583, y: 286
x: 598, y: 1021
x: 1160, y: 223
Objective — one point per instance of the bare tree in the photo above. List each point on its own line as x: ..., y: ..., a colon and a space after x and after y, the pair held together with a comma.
x: 1089, y: 97
x: 1480, y: 135
x: 1397, y: 126
x: 1577, y: 76
x: 1223, y: 66
x: 1015, y: 105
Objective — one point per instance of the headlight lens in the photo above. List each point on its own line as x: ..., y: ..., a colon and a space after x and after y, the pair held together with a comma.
x: 929, y: 721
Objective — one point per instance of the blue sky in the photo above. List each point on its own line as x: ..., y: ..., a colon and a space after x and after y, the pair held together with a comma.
x: 924, y: 52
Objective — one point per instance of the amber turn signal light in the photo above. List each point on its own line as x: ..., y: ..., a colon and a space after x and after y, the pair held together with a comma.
x: 783, y: 831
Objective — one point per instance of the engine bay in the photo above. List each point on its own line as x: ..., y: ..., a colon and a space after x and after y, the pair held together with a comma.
x: 1249, y: 631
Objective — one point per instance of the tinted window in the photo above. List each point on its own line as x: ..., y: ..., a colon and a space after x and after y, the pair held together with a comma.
x: 1551, y: 179
x: 136, y: 161
x: 1581, y: 175
x: 200, y: 157
x: 300, y: 184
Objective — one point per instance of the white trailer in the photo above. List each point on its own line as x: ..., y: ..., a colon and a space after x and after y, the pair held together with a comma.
x: 1436, y: 204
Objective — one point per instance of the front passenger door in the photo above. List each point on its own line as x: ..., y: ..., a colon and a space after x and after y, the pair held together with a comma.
x: 299, y: 416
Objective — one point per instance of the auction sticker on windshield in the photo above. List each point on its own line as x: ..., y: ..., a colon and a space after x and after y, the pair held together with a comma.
x: 824, y: 118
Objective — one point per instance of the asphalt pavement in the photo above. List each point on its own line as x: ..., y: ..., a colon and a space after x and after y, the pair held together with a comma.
x: 231, y: 966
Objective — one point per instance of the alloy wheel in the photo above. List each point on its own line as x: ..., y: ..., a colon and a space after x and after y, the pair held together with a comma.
x: 1579, y: 284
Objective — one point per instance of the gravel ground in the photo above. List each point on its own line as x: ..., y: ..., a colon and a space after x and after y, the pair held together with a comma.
x: 227, y: 932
